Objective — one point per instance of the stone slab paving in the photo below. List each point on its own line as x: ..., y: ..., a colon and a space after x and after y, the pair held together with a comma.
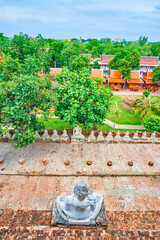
x: 78, y: 154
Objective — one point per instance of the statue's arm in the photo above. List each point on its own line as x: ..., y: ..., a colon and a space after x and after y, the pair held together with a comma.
x: 67, y: 206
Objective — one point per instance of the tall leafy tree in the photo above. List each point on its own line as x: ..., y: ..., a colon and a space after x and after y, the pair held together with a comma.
x: 125, y: 61
x: 72, y: 50
x: 55, y: 49
x: 79, y: 62
x: 9, y: 68
x: 20, y: 101
x: 156, y: 75
x: 155, y: 49
x: 80, y: 99
x: 143, y: 40
x: 4, y: 43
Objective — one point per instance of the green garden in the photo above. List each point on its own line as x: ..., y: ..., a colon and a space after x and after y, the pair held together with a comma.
x: 125, y: 117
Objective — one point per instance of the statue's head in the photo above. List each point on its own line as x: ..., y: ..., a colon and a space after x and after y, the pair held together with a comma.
x: 81, y: 190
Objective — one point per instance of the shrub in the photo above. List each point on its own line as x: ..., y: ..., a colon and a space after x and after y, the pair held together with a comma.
x: 146, y: 93
x: 152, y: 124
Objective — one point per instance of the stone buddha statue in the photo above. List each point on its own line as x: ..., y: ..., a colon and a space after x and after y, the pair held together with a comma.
x: 79, y: 208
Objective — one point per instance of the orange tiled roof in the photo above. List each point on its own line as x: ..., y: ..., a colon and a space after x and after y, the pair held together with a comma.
x: 97, y: 73
x: 149, y: 81
x: 152, y: 61
x: 115, y: 80
x: 135, y: 78
x: 115, y: 74
x: 106, y: 59
x: 135, y: 74
x: 54, y: 71
x: 115, y: 77
x: 136, y: 81
x: 148, y: 78
x: 149, y: 75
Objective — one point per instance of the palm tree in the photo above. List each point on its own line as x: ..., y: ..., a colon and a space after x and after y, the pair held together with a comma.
x: 145, y: 105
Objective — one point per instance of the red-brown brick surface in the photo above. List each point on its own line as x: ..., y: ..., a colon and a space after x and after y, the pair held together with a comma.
x: 116, y: 220
x: 78, y: 154
x: 119, y: 193
x: 76, y: 234
x: 131, y: 194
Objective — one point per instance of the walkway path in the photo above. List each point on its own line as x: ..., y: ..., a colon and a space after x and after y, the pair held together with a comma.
x: 118, y: 126
x: 134, y: 94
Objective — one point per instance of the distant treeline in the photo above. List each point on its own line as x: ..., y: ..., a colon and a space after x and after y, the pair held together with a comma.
x: 59, y: 53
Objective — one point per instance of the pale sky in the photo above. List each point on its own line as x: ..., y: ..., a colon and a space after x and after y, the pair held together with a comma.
x: 60, y: 19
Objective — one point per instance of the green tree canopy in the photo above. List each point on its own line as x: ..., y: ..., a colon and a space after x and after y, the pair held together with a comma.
x: 143, y: 40
x: 72, y: 50
x: 20, y: 101
x: 155, y: 48
x: 156, y: 75
x: 125, y: 61
x: 9, y: 68
x: 79, y: 62
x: 80, y: 99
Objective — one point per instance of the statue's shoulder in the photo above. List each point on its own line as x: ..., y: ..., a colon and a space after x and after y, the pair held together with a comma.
x: 95, y: 196
x: 69, y: 198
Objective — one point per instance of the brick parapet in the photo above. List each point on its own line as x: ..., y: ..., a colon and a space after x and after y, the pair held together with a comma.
x: 111, y: 136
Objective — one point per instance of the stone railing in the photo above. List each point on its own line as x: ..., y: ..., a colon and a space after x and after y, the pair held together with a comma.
x: 77, y: 136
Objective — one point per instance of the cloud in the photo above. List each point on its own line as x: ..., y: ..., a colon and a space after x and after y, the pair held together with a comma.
x: 86, y: 18
x: 134, y: 6
x: 16, y: 14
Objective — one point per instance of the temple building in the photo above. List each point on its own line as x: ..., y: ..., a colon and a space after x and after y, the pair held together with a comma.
x: 147, y: 64
x: 54, y: 71
x: 104, y: 62
x: 97, y: 74
x: 135, y: 83
x: 148, y: 83
x: 115, y: 80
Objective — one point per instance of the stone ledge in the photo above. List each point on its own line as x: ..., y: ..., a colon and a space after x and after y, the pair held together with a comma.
x: 89, y: 174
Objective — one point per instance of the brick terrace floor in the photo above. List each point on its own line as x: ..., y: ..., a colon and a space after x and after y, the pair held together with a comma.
x: 131, y: 194
x: 78, y: 154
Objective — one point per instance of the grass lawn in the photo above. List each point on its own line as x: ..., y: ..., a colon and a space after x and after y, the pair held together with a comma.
x: 125, y: 116
x: 58, y: 124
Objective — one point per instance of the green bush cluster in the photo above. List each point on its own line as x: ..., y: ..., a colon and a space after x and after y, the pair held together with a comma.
x: 152, y: 124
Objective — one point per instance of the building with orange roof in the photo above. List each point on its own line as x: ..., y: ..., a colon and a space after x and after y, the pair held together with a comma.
x: 147, y: 64
x: 97, y: 74
x: 115, y: 79
x: 135, y: 82
x: 41, y: 74
x: 54, y: 71
x: 104, y: 62
x: 148, y: 83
